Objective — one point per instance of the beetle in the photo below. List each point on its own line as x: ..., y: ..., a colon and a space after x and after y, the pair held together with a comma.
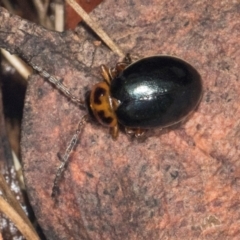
x: 153, y: 92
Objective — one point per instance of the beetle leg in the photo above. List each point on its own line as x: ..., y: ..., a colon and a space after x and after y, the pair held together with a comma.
x: 105, y: 71
x: 120, y: 66
x: 108, y: 74
x: 115, y: 104
x: 128, y: 59
x: 136, y: 132
x: 114, y: 132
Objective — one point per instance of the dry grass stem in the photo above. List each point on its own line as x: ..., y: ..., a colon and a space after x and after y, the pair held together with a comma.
x: 59, y: 17
x: 7, y: 193
x: 17, y: 63
x: 42, y: 9
x: 94, y: 26
x: 23, y: 227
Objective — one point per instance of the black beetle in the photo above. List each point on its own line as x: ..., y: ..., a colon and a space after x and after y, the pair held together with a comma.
x: 156, y: 91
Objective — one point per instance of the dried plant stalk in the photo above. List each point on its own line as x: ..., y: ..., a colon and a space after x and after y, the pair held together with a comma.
x: 7, y: 193
x: 23, y: 227
x: 16, y: 62
x: 96, y: 28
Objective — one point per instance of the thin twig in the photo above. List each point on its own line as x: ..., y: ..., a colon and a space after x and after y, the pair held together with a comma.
x: 7, y: 193
x: 16, y: 62
x: 22, y: 226
x: 59, y: 17
x: 42, y: 13
x: 8, y: 6
x: 96, y: 28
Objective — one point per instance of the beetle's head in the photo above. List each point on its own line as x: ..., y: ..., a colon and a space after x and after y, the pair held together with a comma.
x: 100, y: 105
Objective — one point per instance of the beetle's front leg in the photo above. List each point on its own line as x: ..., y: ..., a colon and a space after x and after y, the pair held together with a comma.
x: 109, y: 74
x: 105, y: 72
x: 120, y: 66
x: 114, y: 132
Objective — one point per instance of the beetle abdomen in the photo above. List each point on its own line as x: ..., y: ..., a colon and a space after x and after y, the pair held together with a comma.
x: 156, y: 92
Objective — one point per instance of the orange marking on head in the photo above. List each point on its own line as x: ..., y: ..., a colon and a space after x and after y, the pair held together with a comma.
x: 102, y: 106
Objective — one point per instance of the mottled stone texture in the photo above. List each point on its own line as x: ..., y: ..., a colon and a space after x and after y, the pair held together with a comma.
x: 178, y: 184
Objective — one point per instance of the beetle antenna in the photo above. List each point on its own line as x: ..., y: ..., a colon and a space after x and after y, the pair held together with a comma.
x: 59, y: 85
x: 56, y: 82
x: 64, y: 159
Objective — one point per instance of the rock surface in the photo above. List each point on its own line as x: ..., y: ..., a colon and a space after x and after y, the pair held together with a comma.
x: 178, y: 184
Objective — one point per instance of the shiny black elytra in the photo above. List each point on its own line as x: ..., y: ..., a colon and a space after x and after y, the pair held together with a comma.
x: 154, y: 92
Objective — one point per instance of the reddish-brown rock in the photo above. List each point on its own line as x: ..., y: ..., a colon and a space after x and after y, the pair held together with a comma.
x: 181, y: 184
